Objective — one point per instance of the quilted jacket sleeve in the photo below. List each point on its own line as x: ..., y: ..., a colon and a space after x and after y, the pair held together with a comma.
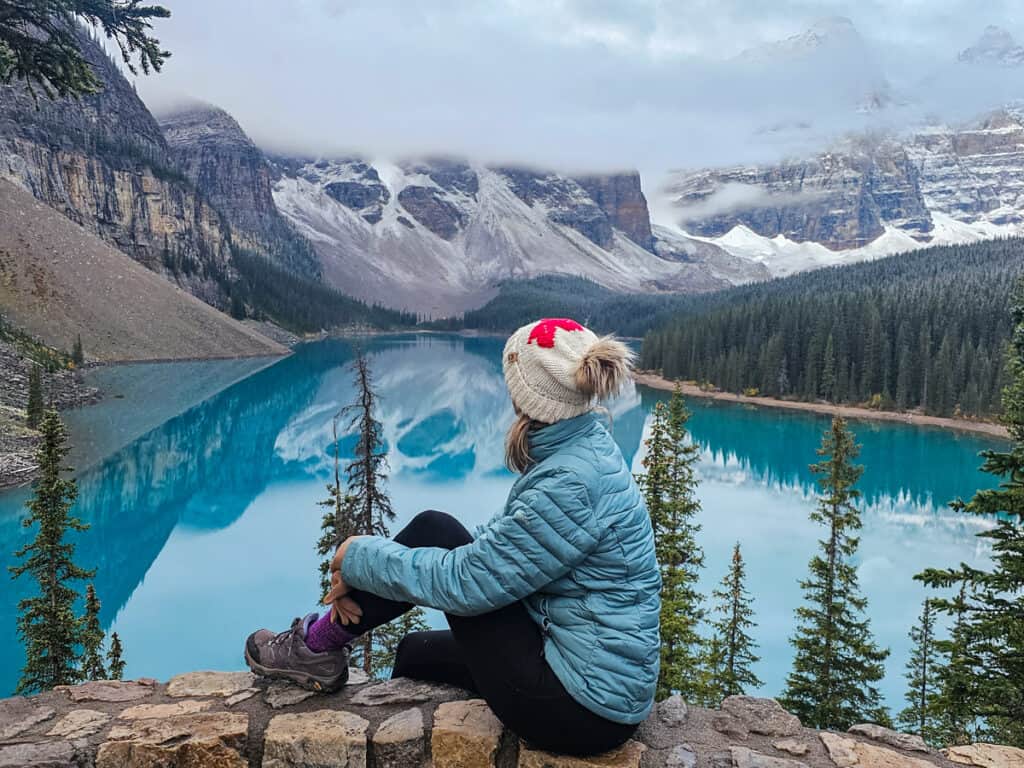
x: 548, y: 529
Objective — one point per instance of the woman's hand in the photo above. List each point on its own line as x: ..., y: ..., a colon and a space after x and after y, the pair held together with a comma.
x: 343, y: 607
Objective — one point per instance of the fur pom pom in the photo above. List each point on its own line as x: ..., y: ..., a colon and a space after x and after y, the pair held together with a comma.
x: 604, y: 368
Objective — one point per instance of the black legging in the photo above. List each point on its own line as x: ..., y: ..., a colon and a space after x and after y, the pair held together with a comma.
x: 498, y: 655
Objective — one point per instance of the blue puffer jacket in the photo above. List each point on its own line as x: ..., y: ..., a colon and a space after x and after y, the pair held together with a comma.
x: 574, y: 543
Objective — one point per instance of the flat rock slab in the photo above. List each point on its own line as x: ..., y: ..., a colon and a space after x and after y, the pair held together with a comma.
x: 210, y: 683
x: 986, y: 756
x: 466, y: 733
x: 849, y: 753
x: 150, y: 711
x: 282, y: 693
x: 357, y: 677
x: 49, y: 754
x: 908, y: 741
x: 207, y: 739
x: 762, y: 716
x: 742, y: 757
x: 792, y: 746
x: 402, y: 690
x: 79, y: 723
x: 681, y: 756
x: 401, y: 740
x: 626, y: 756
x: 238, y: 698
x: 19, y: 714
x: 325, y: 738
x: 112, y: 691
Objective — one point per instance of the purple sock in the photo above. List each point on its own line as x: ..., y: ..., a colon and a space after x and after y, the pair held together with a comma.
x: 324, y: 635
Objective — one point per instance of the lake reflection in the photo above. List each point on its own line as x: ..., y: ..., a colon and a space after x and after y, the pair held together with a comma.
x: 204, y: 527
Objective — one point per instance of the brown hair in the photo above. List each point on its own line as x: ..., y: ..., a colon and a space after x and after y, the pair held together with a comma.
x: 517, y: 442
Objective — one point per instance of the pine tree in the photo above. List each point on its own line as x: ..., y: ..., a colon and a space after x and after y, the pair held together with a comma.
x: 837, y: 663
x: 35, y: 405
x: 77, y: 353
x: 367, y: 503
x: 338, y: 521
x: 735, y: 619
x: 115, y: 664
x: 922, y: 677
x: 92, y: 638
x: 992, y: 603
x: 47, y: 623
x: 956, y: 701
x: 668, y: 484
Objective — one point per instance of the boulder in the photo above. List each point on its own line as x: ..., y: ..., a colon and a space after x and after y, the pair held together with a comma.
x: 325, y: 738
x: 762, y: 716
x: 207, y: 739
x: 986, y: 756
x: 109, y: 690
x: 662, y: 729
x: 49, y: 754
x: 210, y: 683
x: 908, y: 741
x: 79, y: 723
x: 403, y: 691
x: 19, y: 714
x: 466, y: 735
x: 742, y: 757
x: 848, y: 753
x: 401, y: 740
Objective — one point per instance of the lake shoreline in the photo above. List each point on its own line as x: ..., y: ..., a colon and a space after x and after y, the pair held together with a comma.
x: 988, y: 428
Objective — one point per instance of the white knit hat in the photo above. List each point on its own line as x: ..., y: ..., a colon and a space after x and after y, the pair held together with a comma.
x: 555, y: 368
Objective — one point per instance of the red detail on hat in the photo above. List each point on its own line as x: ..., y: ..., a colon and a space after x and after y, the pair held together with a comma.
x: 544, y: 331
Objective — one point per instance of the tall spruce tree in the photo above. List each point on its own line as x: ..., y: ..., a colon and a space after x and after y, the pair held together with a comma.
x: 367, y: 503
x: 992, y: 601
x: 668, y: 485
x: 115, y: 662
x: 338, y: 522
x: 837, y: 663
x: 92, y: 638
x: 47, y: 623
x: 735, y: 675
x: 34, y: 409
x: 921, y: 714
x: 957, y: 696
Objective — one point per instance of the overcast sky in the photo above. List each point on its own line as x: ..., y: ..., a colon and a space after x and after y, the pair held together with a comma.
x: 572, y: 84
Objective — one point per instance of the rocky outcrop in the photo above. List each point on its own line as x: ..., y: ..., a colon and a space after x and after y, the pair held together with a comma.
x: 428, y: 206
x: 224, y: 720
x: 622, y: 199
x: 102, y: 161
x: 995, y: 46
x: 923, y: 186
x: 211, y: 150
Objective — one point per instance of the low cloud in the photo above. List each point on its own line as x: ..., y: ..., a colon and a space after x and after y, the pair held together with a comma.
x: 734, y: 196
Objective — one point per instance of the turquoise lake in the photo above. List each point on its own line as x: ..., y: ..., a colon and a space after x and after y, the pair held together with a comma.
x: 200, y: 483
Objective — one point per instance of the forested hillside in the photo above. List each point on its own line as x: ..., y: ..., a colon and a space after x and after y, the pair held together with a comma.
x: 921, y: 330
x: 520, y: 301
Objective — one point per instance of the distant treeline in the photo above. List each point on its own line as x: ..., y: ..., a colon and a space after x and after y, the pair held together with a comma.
x: 925, y: 330
x: 297, y: 303
x: 520, y: 301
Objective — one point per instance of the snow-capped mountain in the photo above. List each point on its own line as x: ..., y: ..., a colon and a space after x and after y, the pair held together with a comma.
x: 995, y: 46
x: 437, y: 236
x: 865, y: 197
x: 830, y: 60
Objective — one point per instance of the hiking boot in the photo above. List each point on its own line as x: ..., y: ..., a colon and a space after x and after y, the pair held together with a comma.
x: 284, y: 655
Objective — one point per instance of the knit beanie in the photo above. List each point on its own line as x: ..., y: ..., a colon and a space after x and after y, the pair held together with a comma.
x: 556, y: 369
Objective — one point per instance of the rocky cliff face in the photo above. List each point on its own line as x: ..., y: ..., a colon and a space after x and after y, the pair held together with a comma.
x: 234, y: 720
x: 103, y: 162
x: 437, y: 235
x: 212, y: 151
x: 938, y: 185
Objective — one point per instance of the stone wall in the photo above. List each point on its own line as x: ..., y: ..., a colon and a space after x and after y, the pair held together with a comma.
x: 233, y: 720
